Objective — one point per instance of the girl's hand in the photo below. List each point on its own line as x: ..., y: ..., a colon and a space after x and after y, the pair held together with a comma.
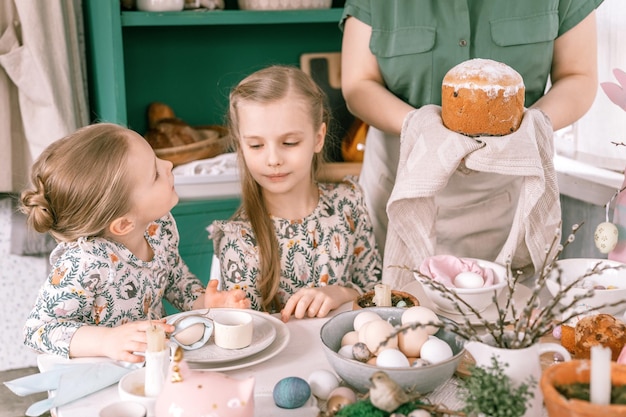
x: 118, y: 343
x: 316, y: 302
x: 232, y: 298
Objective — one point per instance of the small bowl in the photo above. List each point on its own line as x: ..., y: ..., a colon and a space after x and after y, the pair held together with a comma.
x: 478, y: 298
x: 356, y: 374
x: 232, y: 329
x: 578, y: 371
x: 366, y: 300
x: 574, y: 268
x: 132, y: 388
x: 160, y: 5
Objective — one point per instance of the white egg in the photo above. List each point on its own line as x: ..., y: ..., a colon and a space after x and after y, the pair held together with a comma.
x: 435, y: 350
x: 468, y: 279
x: 322, y: 383
x: 605, y: 237
x: 392, y: 358
x: 350, y: 338
x: 419, y: 413
x: 421, y: 314
x: 346, y: 351
x: 364, y: 317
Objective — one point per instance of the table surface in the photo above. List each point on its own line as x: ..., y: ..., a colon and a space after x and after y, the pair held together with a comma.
x: 302, y: 355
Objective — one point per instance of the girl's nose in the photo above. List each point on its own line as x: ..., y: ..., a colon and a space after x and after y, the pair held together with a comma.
x: 273, y: 158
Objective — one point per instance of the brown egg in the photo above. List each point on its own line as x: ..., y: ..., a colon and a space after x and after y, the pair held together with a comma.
x: 376, y: 332
x: 410, y: 341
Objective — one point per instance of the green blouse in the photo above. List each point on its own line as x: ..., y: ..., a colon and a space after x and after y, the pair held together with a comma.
x: 417, y: 41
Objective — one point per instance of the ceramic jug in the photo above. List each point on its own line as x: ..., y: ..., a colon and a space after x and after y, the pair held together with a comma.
x: 521, y: 364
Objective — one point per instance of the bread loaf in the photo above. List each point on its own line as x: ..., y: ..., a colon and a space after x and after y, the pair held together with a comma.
x: 482, y: 97
x: 599, y: 329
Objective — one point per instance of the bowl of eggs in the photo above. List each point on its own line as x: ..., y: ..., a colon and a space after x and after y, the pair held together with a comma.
x: 418, y: 359
x: 607, y: 279
x: 475, y: 281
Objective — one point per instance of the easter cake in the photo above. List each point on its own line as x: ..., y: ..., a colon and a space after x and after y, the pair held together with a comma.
x: 482, y: 97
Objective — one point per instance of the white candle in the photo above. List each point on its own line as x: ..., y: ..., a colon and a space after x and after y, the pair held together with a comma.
x: 600, y: 384
x: 157, y: 360
x: 382, y: 295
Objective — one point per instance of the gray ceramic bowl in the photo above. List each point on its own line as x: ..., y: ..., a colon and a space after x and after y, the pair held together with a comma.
x: 356, y: 374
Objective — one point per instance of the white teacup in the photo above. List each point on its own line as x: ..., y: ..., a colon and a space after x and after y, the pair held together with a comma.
x: 233, y: 329
x: 123, y: 409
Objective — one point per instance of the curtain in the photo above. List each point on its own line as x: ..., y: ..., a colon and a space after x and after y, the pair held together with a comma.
x: 43, y: 88
x: 590, y: 139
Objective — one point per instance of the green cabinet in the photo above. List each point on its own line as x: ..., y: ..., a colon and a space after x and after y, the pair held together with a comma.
x: 190, y: 60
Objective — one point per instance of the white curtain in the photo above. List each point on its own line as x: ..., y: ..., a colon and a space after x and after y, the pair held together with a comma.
x: 589, y: 140
x: 43, y: 89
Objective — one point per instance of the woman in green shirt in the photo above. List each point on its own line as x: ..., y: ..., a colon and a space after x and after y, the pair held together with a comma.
x: 395, y: 54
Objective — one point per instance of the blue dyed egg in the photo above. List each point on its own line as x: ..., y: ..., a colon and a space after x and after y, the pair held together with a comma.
x: 291, y: 392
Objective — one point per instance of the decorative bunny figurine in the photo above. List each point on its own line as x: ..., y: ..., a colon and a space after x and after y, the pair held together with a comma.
x: 617, y: 94
x: 189, y: 393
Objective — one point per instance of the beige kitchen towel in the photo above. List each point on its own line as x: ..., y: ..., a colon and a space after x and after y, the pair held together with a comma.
x: 430, y: 154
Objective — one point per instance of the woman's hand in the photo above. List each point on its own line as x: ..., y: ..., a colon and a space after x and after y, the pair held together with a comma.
x: 232, y: 298
x: 118, y: 343
x: 316, y: 302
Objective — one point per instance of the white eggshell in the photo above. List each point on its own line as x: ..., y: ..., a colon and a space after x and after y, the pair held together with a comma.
x: 468, y: 279
x: 421, y: 314
x: 322, y: 382
x: 605, y: 237
x: 346, y: 351
x: 435, y: 350
x: 191, y: 334
x: 410, y: 341
x: 350, y: 338
x: 364, y: 317
x: 375, y: 333
x: 392, y: 358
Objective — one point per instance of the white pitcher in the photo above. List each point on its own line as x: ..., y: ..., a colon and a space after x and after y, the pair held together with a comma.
x: 522, y: 363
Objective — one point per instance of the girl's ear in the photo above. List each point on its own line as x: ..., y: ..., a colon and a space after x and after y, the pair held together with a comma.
x: 320, y: 137
x: 121, y: 226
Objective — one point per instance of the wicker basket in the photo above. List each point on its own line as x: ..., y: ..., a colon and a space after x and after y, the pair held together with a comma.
x: 215, y: 143
x: 284, y: 4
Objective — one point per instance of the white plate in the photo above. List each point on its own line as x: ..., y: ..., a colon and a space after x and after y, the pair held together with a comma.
x: 277, y: 346
x: 263, y: 335
x: 520, y: 295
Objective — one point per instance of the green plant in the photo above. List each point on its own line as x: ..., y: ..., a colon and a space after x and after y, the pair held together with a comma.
x: 488, y: 391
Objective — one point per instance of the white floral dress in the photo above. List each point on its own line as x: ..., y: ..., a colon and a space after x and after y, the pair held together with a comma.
x: 99, y: 282
x: 334, y: 245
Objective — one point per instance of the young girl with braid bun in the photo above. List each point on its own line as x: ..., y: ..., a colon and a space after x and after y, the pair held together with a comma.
x: 106, y: 198
x: 295, y: 245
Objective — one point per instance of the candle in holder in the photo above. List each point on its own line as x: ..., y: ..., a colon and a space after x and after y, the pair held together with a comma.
x: 157, y: 360
x: 600, y: 380
x: 382, y: 295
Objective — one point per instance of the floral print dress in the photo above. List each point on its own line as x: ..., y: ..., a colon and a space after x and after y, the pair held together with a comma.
x: 334, y: 245
x: 99, y: 282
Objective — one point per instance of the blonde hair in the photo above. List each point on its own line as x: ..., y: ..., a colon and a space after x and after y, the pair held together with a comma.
x: 79, y: 183
x: 266, y: 86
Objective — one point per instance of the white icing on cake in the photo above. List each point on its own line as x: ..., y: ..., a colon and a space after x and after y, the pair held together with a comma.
x: 486, y: 75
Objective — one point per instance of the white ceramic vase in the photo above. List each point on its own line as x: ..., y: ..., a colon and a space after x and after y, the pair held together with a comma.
x: 521, y: 364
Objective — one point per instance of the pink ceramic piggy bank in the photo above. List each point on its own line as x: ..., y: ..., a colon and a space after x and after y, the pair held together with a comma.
x: 202, y: 393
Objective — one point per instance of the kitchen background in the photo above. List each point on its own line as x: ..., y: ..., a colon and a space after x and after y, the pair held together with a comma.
x: 585, y: 189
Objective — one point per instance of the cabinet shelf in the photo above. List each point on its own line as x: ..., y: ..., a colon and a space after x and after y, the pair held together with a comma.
x: 230, y: 17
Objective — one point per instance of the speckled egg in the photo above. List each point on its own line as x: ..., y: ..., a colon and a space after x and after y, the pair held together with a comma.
x: 605, y: 237
x: 322, y: 382
x: 291, y: 392
x: 360, y: 352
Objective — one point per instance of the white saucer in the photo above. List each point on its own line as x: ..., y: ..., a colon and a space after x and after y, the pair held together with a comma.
x: 263, y: 335
x: 490, y: 314
x: 277, y: 346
